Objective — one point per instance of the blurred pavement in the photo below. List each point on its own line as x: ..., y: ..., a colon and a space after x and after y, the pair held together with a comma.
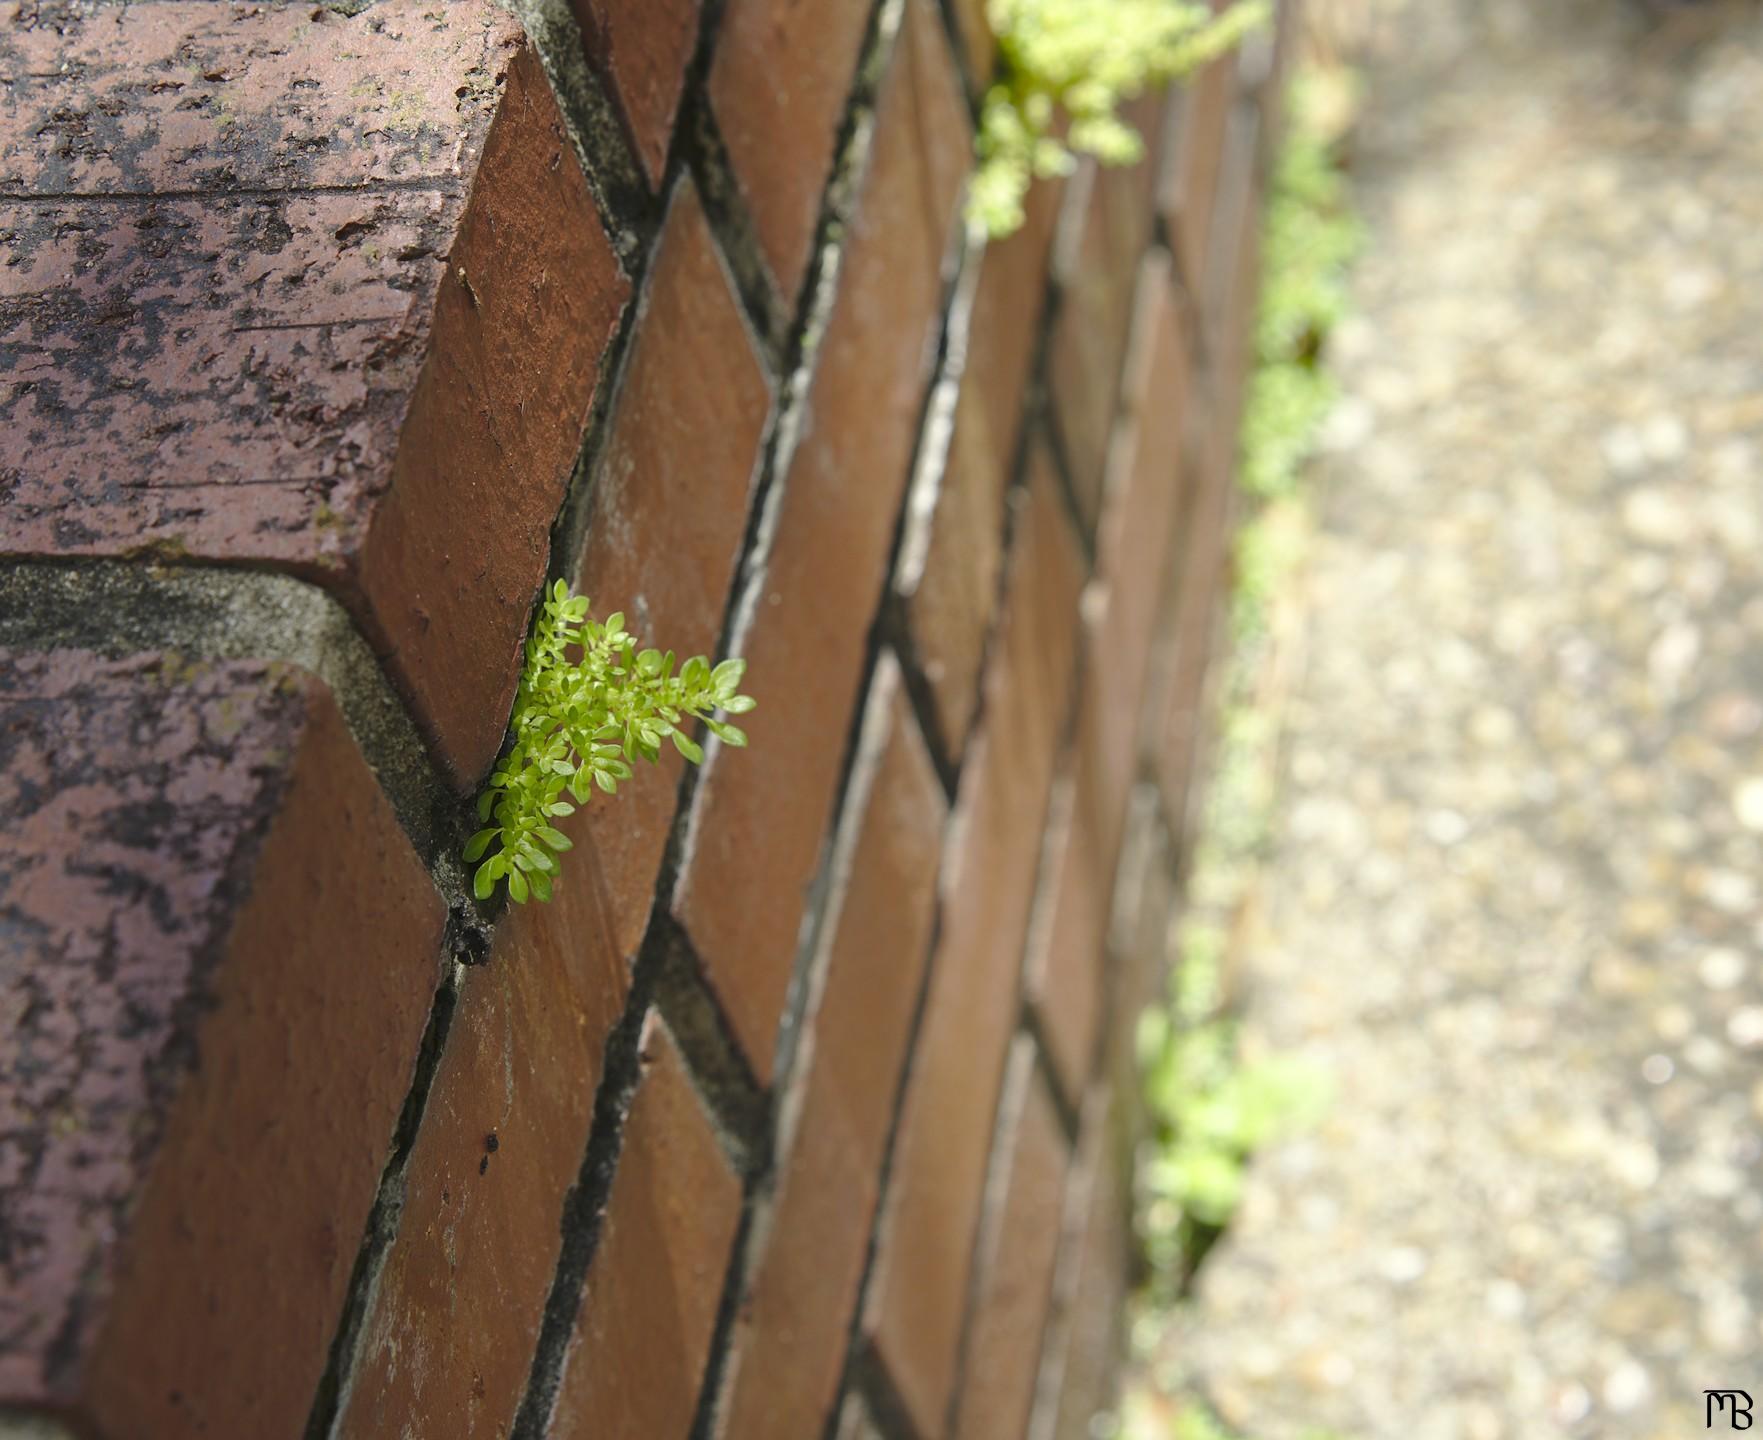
x: 1516, y: 904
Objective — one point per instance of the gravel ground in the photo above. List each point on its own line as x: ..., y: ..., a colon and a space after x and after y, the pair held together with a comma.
x: 1514, y: 905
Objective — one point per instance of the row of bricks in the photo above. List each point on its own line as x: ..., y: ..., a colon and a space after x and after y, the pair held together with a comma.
x: 685, y: 277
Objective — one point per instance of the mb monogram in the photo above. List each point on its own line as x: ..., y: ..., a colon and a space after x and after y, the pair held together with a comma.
x: 1734, y: 1404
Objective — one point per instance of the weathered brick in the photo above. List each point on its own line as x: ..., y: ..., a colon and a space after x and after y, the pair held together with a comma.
x: 1063, y: 969
x: 1144, y: 895
x: 221, y: 956
x: 758, y: 816
x: 1004, y: 1343
x: 978, y: 42
x: 1088, y: 1339
x: 494, y: 427
x: 779, y: 84
x: 643, y: 50
x: 790, y: 1343
x: 949, y: 573
x: 913, y: 1313
x: 1091, y: 326
x: 290, y: 278
x: 1189, y: 181
x: 637, y: 1357
x: 459, y: 1302
x: 1234, y: 245
x: 1136, y: 534
x: 1177, y: 723
x: 1134, y: 540
x: 687, y: 423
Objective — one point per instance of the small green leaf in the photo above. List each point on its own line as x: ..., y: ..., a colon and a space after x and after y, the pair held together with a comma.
x: 728, y: 734
x: 590, y: 700
x: 738, y: 704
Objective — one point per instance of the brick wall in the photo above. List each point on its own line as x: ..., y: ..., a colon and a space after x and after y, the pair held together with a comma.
x: 330, y: 332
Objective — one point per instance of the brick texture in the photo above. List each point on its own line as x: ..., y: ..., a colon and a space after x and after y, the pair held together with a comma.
x: 789, y: 1350
x: 643, y: 51
x: 644, y: 1332
x: 1134, y: 540
x: 1104, y: 240
x: 290, y: 300
x: 1091, y: 1333
x: 1189, y: 184
x: 215, y: 903
x: 915, y: 1307
x: 1016, y: 1286
x: 488, y: 433
x: 687, y: 422
x: 780, y: 136
x: 757, y: 826
x: 356, y: 299
x: 949, y: 575
x: 459, y: 1302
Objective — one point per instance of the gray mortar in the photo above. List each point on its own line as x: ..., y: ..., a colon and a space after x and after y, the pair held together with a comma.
x: 589, y: 115
x: 118, y: 608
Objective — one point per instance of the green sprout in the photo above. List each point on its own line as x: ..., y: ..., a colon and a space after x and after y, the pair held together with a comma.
x: 589, y: 703
x: 1085, y: 58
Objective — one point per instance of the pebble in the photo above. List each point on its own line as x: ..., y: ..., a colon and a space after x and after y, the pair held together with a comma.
x: 1513, y: 893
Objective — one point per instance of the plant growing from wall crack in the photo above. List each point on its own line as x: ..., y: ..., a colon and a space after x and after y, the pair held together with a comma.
x: 1084, y: 58
x: 589, y: 704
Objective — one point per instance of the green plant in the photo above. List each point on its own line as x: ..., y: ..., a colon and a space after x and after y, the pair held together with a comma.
x: 589, y: 703
x: 1210, y: 1106
x: 1309, y: 236
x: 1084, y: 58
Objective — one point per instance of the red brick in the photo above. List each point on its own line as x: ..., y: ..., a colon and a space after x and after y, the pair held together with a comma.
x: 1135, y: 536
x: 234, y: 242
x: 1235, y: 241
x: 790, y: 1344
x: 1144, y: 896
x: 459, y: 1302
x: 1004, y: 1346
x: 779, y: 84
x: 643, y: 50
x: 231, y: 955
x: 1189, y: 182
x: 637, y: 1356
x: 1090, y: 329
x: 913, y: 1313
x: 949, y: 573
x: 1089, y: 1337
x: 759, y: 816
x: 1066, y: 943
x: 978, y: 42
x: 494, y: 427
x: 1134, y: 541
x: 687, y: 422
x: 1175, y: 732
